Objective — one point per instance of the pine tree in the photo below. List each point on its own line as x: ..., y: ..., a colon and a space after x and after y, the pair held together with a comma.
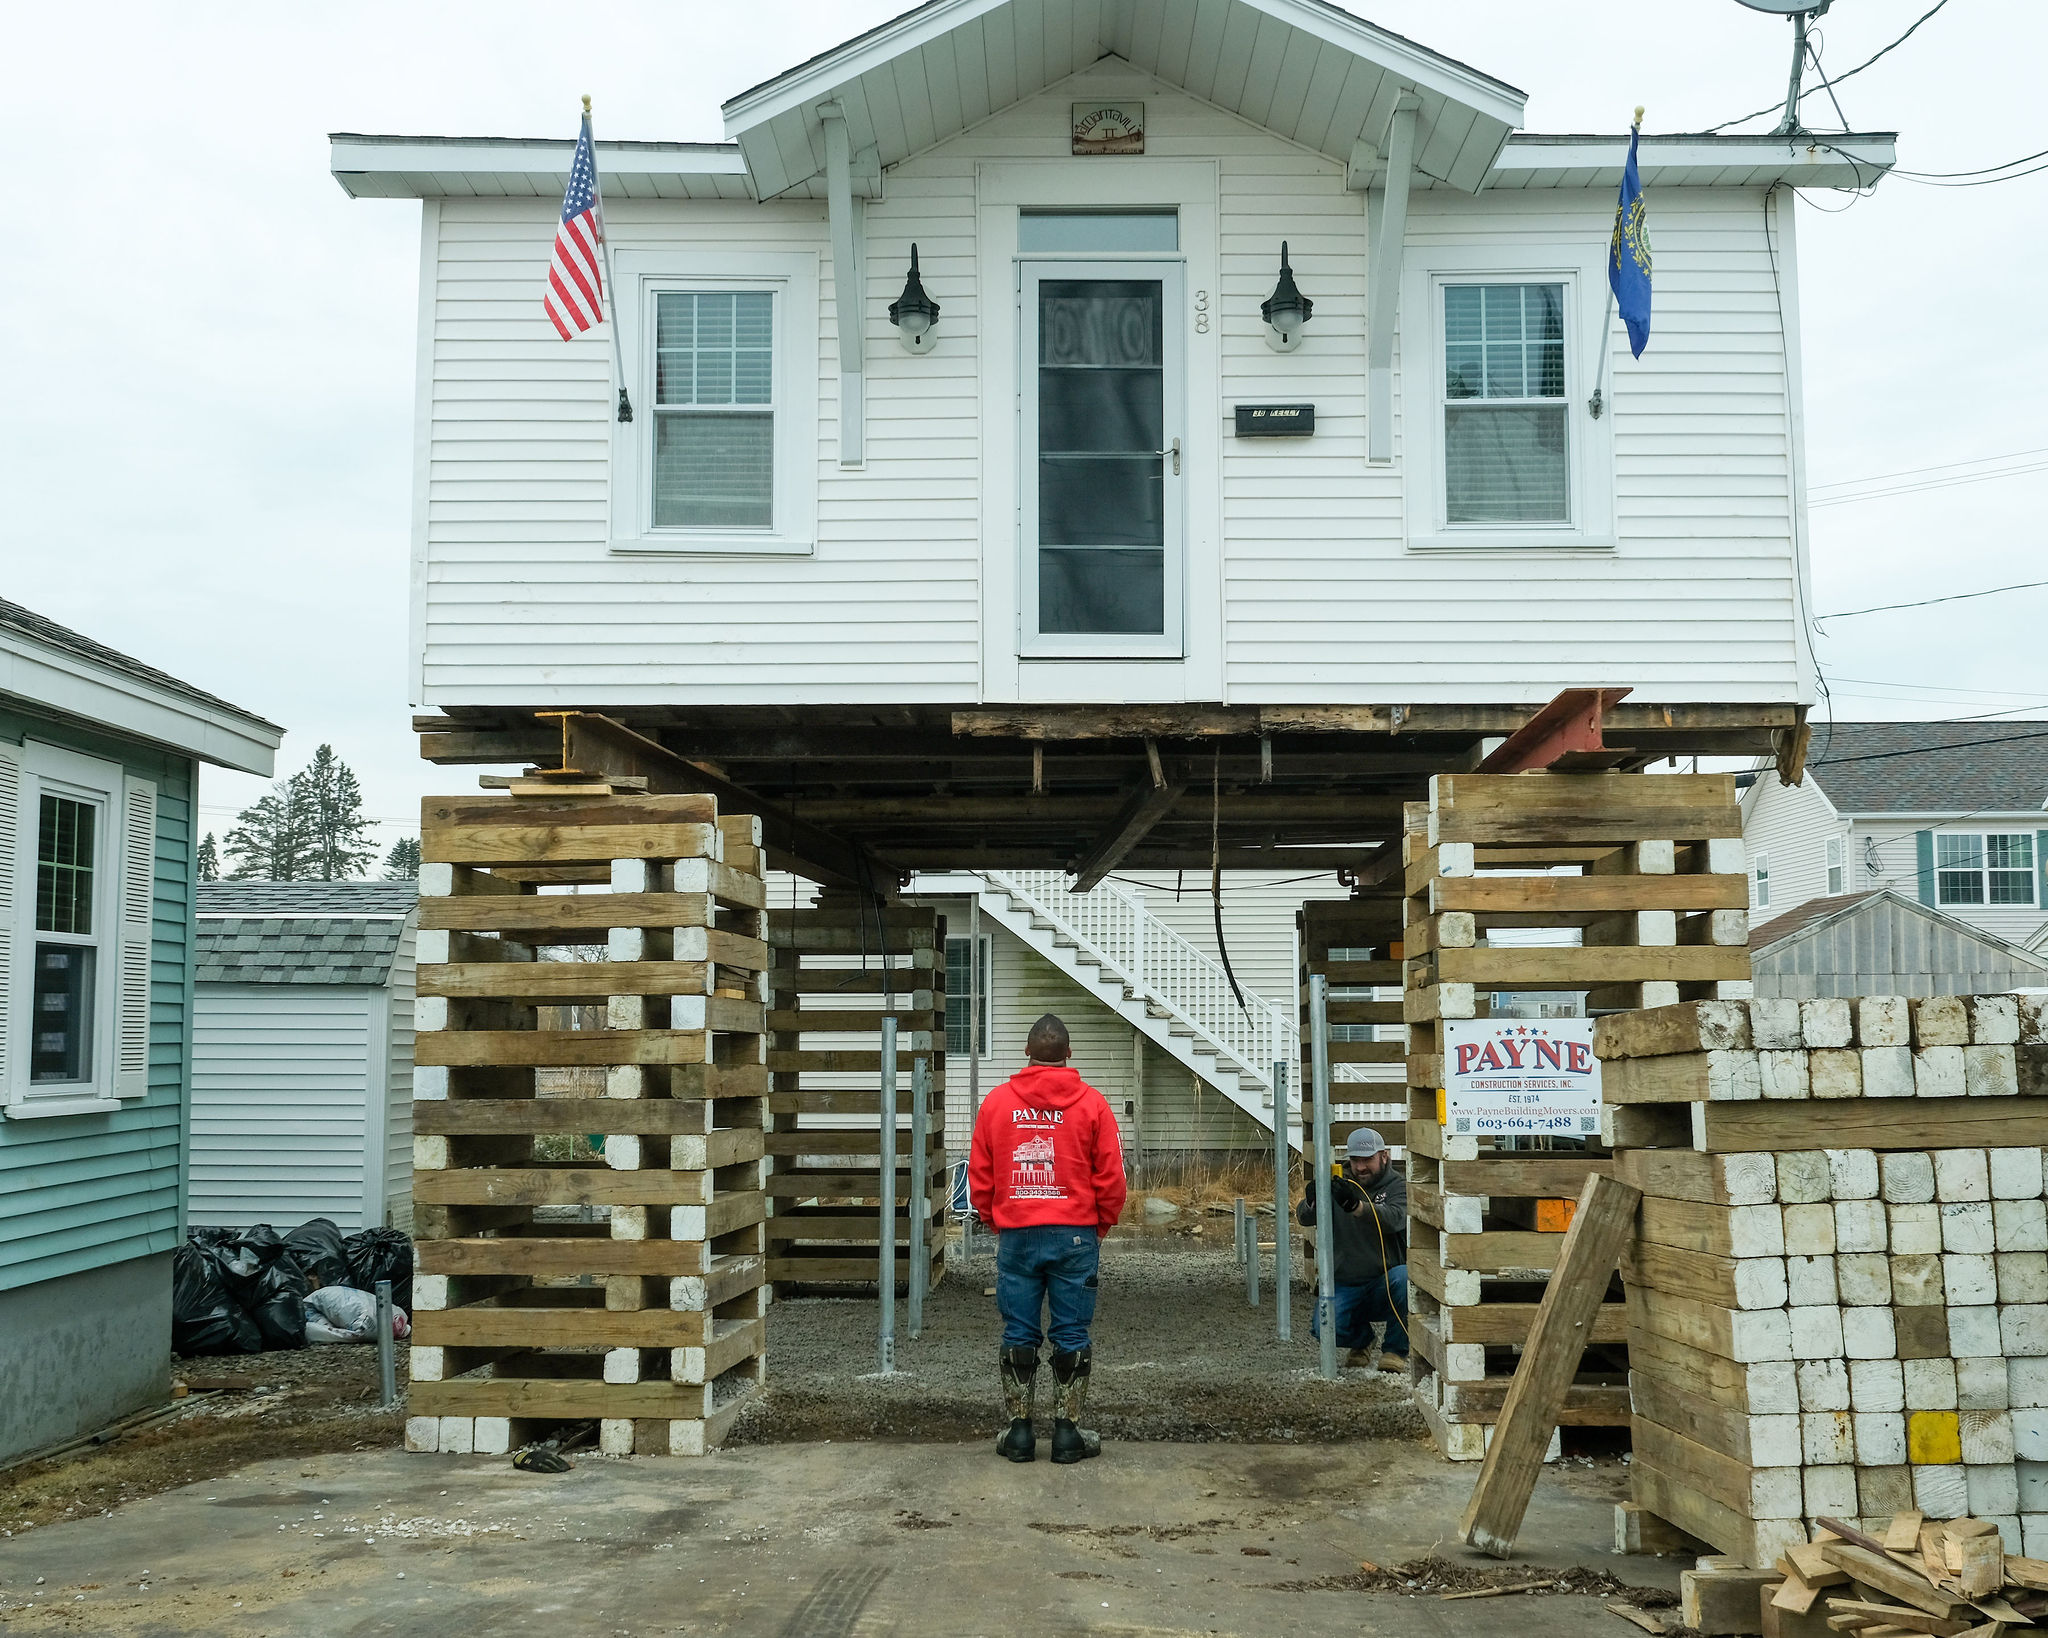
x: 402, y: 863
x: 209, y: 859
x: 273, y: 839
x: 340, y: 832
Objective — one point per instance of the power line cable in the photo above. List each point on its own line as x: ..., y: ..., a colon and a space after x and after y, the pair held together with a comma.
x: 1930, y: 483
x: 1916, y: 471
x: 1947, y: 176
x: 1953, y: 597
x: 1839, y: 78
x: 1927, y: 750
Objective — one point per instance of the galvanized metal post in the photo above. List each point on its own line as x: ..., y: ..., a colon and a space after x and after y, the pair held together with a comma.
x: 387, y: 1346
x: 1237, y: 1224
x: 1326, y: 1255
x: 920, y: 1196
x: 886, y: 1254
x: 1251, y: 1255
x: 974, y: 1043
x: 1283, y: 1214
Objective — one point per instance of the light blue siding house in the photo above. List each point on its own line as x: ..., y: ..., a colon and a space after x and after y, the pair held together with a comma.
x: 99, y: 760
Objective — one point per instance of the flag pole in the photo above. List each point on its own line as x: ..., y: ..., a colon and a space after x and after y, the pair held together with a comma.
x: 1597, y: 404
x: 604, y: 239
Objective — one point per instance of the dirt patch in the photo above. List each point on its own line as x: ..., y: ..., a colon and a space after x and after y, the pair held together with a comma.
x: 309, y: 1402
x: 1179, y: 1356
x: 917, y: 1521
x: 1437, y: 1577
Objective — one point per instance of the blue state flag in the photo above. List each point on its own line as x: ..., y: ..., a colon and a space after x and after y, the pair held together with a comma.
x: 1628, y: 258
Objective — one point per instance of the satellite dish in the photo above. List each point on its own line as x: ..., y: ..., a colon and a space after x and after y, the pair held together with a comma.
x: 1802, y: 13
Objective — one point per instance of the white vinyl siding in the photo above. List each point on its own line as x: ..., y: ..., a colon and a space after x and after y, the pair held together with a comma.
x: 1786, y: 825
x: 524, y: 603
x: 399, y: 993
x: 283, y: 1124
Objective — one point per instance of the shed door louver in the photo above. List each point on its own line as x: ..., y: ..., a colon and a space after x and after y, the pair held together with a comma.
x: 10, y: 831
x: 138, y: 886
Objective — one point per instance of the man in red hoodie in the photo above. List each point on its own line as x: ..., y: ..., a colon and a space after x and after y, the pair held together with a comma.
x: 1047, y: 1168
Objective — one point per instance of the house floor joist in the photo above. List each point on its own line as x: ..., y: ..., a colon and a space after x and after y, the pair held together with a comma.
x: 861, y: 792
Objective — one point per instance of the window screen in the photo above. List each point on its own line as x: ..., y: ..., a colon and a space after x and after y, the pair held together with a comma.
x: 714, y: 409
x: 1994, y: 869
x: 1505, y: 439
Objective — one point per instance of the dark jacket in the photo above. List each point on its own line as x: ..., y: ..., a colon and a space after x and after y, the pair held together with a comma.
x: 1372, y: 1239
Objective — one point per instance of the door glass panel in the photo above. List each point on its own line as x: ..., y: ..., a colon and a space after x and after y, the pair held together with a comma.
x: 1101, y: 473
x: 1097, y: 591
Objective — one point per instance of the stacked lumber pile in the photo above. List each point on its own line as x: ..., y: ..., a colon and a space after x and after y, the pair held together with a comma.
x: 648, y: 1319
x: 835, y: 970
x: 1838, y: 1299
x: 1637, y: 881
x: 1910, y: 1575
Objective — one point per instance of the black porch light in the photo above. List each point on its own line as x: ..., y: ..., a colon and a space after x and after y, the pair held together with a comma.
x: 914, y: 314
x: 1286, y: 310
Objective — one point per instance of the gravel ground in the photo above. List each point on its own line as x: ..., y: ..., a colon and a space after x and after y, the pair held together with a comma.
x: 1179, y: 1355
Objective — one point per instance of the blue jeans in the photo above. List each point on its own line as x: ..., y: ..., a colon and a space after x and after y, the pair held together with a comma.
x: 1360, y: 1307
x: 1053, y: 1263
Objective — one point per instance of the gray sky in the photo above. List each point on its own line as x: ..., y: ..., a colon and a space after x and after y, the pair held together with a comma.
x: 209, y: 349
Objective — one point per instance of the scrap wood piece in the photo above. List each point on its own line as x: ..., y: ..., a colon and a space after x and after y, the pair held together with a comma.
x: 1999, y: 1610
x: 2027, y: 1572
x: 1888, y: 1576
x: 1849, y: 1533
x: 1864, y: 1612
x: 1976, y: 1562
x: 1640, y: 1618
x: 1795, y: 1594
x: 1811, y: 1566
x: 1601, y: 1228
x: 1498, y: 1592
x: 1902, y: 1535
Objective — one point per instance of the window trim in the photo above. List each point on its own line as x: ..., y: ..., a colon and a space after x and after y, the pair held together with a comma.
x: 1443, y: 286
x: 792, y: 280
x: 1984, y: 869
x: 1580, y: 268
x: 71, y: 774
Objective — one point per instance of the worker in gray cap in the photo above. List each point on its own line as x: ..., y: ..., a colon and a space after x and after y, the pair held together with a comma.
x: 1370, y: 1234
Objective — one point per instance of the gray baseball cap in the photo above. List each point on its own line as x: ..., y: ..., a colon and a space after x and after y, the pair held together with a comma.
x: 1363, y: 1144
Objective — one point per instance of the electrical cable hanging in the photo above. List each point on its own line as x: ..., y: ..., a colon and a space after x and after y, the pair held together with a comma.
x: 1777, y: 107
x: 1216, y: 873
x: 1924, y: 602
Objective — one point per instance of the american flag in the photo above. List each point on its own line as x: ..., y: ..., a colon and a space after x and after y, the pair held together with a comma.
x: 575, y: 294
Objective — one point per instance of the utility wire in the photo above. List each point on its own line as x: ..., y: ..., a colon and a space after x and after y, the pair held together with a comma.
x: 1953, y: 597
x: 1949, y: 176
x: 1929, y: 483
x: 1804, y: 93
x: 1916, y: 471
x: 1927, y: 750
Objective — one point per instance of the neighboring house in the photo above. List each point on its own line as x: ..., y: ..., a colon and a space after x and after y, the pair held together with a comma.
x: 1035, y: 588
x: 1953, y: 815
x: 302, y: 1054
x: 99, y: 767
x: 1878, y: 943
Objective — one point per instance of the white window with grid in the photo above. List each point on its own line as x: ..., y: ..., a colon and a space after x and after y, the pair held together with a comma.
x: 1992, y: 868
x: 1761, y: 891
x: 1497, y: 358
x: 964, y: 1003
x: 722, y: 352
x: 77, y: 886
x: 1837, y: 871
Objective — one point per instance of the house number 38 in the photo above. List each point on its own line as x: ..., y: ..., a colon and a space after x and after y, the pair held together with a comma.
x: 1201, y: 312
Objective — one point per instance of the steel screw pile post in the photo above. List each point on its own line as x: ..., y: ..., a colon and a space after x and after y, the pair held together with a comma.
x: 920, y: 1200
x: 1283, y: 1224
x: 387, y: 1346
x: 886, y: 1256
x: 1326, y: 1254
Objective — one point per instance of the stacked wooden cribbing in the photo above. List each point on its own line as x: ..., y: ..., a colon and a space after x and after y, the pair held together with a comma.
x: 837, y: 969
x: 1638, y: 882
x: 650, y: 1319
x: 1912, y: 1576
x: 1838, y: 1301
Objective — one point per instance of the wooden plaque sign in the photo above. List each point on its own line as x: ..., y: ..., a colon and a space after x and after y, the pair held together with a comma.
x: 1109, y: 128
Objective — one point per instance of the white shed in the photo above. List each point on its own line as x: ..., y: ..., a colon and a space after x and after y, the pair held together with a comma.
x: 302, y: 1054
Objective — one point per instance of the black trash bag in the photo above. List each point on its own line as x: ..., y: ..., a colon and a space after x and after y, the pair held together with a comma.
x: 317, y: 1249
x: 381, y: 1254
x: 204, y: 1318
x: 245, y: 1258
x: 208, y: 1238
x: 277, y: 1304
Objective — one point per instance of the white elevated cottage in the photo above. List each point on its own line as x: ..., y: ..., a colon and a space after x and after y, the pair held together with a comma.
x: 1062, y: 493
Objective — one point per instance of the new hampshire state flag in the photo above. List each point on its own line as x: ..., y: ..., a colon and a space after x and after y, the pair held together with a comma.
x: 1628, y: 258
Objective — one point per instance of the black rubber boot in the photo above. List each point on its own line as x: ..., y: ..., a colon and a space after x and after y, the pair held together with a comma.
x: 1018, y: 1368
x: 1070, y: 1441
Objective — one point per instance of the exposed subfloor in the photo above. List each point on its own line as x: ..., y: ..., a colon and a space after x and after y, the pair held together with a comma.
x: 819, y: 1541
x: 1179, y: 1355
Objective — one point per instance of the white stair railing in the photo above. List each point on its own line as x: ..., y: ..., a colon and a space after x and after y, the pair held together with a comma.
x: 1160, y: 966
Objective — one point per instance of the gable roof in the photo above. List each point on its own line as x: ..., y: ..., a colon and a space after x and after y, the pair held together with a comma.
x: 1305, y: 69
x: 64, y: 671
x: 251, y: 898
x: 1886, y: 939
x: 1931, y: 767
x: 297, y: 949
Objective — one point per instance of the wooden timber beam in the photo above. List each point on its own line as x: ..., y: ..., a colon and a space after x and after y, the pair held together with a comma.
x: 597, y: 745
x: 1146, y: 807
x: 1568, y: 726
x: 1753, y: 723
x: 1790, y: 745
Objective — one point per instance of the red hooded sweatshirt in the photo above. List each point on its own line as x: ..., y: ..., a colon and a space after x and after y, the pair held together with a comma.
x: 1046, y: 1151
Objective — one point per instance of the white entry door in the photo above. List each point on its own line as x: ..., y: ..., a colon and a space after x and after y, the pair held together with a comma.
x: 1104, y: 422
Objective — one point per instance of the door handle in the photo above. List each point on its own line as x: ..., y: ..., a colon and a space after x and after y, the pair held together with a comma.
x: 1175, y: 453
